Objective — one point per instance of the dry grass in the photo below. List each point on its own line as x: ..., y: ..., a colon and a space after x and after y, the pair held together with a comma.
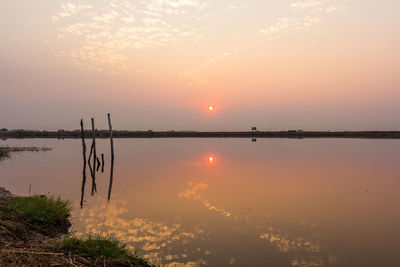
x: 35, y: 254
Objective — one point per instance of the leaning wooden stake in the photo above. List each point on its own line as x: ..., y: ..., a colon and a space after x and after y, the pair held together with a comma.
x: 84, y: 163
x: 112, y: 157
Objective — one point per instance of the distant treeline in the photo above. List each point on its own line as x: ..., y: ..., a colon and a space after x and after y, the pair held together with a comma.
x: 194, y: 134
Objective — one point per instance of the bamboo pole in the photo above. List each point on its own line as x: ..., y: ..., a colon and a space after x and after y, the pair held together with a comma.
x: 84, y: 163
x: 111, y: 136
x: 112, y: 157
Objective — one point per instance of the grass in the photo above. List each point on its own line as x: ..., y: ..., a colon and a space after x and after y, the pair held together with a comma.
x: 41, y: 210
x: 97, y: 246
x: 26, y: 223
x: 25, y: 148
x: 5, y: 150
x: 4, y: 153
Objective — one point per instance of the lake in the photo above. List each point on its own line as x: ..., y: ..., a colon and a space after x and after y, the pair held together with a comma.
x: 229, y: 202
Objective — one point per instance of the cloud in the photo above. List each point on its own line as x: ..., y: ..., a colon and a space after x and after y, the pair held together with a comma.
x: 195, y: 76
x: 70, y: 9
x: 310, y: 5
x: 305, y: 14
x: 104, y: 31
x: 287, y: 25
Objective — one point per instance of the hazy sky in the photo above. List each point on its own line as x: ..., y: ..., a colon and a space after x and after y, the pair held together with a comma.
x: 158, y: 64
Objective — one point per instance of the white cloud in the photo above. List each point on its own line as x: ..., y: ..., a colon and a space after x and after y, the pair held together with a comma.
x: 305, y: 14
x: 310, y: 5
x: 287, y: 25
x: 106, y: 29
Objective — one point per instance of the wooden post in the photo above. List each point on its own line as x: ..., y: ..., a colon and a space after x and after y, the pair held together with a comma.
x: 111, y: 136
x: 84, y: 163
x: 112, y: 157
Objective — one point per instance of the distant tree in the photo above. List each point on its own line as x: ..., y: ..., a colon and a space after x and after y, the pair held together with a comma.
x: 4, y: 130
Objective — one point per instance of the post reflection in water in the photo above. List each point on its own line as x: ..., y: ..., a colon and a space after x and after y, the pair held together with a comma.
x: 93, y: 171
x: 93, y: 175
x: 84, y: 164
x: 111, y: 178
x: 94, y: 186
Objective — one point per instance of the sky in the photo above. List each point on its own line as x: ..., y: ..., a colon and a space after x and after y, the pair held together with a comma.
x: 159, y: 64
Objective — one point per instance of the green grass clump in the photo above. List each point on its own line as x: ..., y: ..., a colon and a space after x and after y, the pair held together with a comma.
x: 97, y: 246
x: 41, y: 210
x: 4, y: 153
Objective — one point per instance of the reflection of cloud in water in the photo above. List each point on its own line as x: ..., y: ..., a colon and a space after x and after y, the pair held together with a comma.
x: 307, y: 252
x: 193, y: 192
x: 172, y: 245
x: 285, y: 244
x: 151, y: 239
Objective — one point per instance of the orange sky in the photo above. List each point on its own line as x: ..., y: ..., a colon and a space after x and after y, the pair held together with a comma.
x: 159, y: 64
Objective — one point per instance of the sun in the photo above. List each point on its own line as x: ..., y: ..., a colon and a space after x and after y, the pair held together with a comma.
x: 210, y: 108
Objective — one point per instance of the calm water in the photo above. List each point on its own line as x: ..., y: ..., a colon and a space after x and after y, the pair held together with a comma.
x: 222, y: 202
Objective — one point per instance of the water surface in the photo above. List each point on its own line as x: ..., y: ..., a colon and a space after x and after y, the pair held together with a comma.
x: 223, y: 202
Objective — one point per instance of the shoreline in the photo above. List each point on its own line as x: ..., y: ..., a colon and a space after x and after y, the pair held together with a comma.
x: 25, y: 243
x: 201, y: 134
